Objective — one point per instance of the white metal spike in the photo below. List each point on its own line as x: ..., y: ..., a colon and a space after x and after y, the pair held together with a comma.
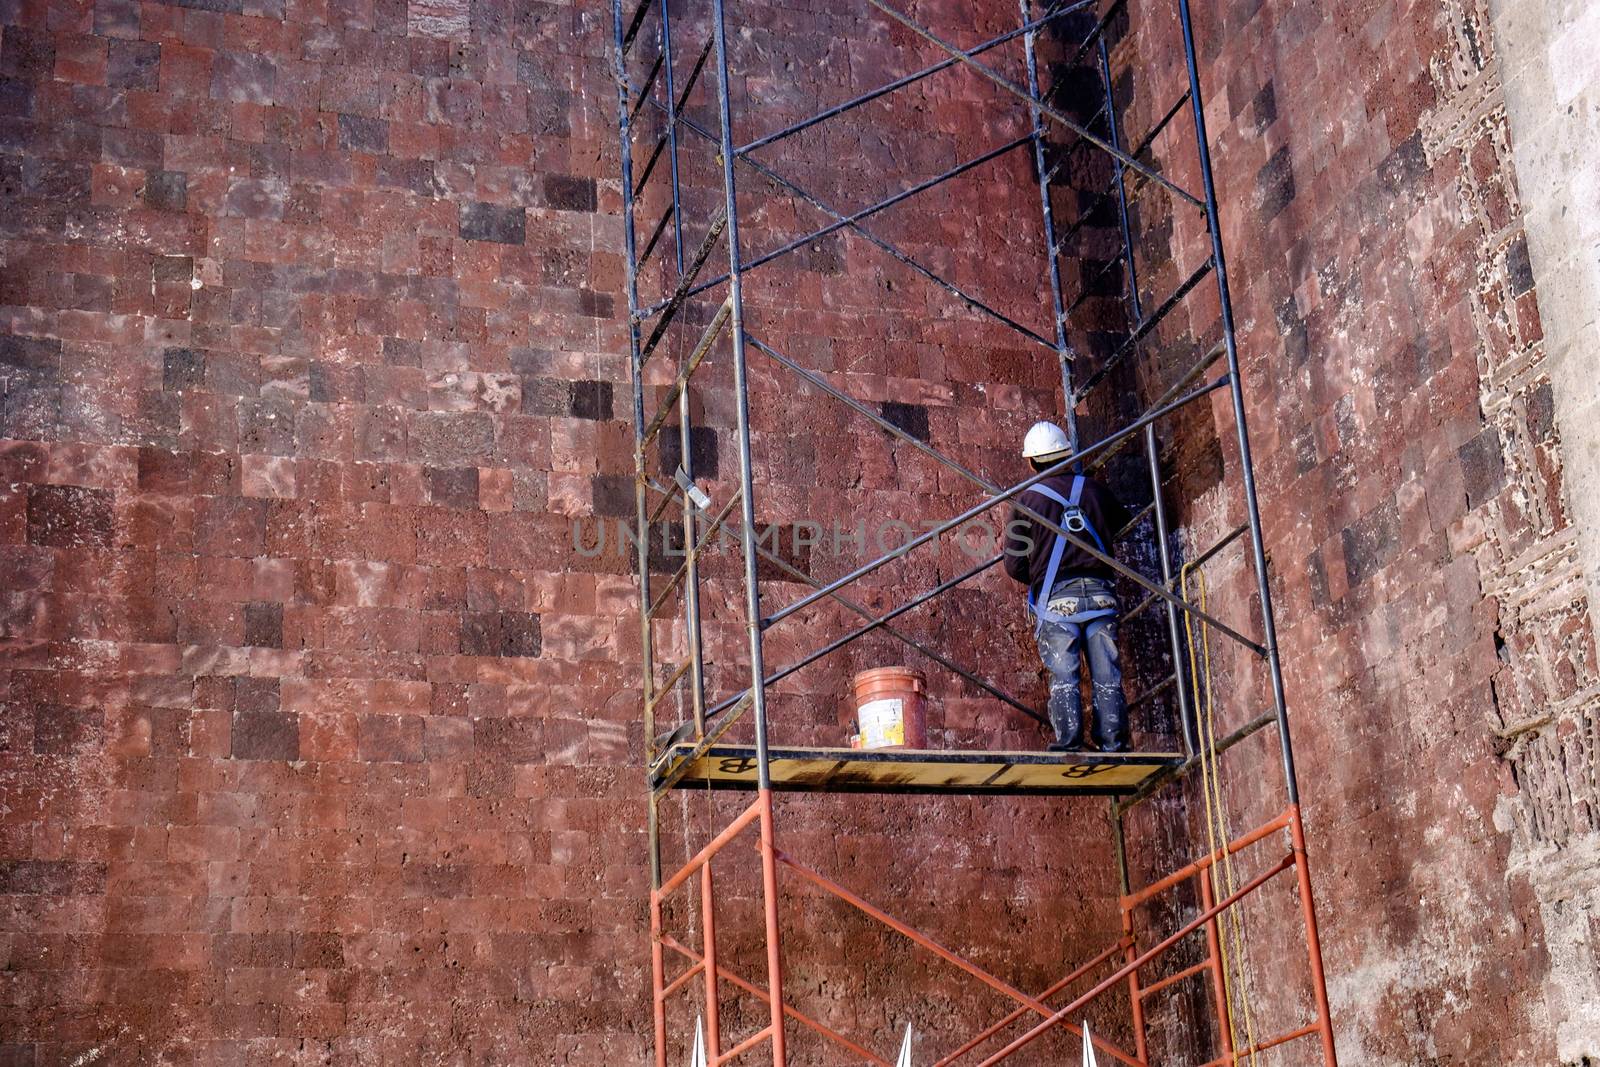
x: 1088, y: 1047
x: 905, y: 1050
x: 698, y: 1057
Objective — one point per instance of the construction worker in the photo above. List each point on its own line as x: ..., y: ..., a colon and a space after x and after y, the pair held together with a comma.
x: 1070, y: 592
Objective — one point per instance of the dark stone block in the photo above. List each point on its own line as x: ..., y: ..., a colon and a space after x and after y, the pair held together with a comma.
x: 256, y: 695
x: 133, y: 65
x: 26, y: 53
x: 51, y: 878
x: 69, y: 516
x: 33, y: 359
x: 1541, y: 413
x: 400, y: 352
x: 173, y: 268
x: 566, y: 193
x: 500, y: 633
x: 362, y: 134
x: 1265, y: 107
x: 546, y: 396
x: 612, y: 495
x: 167, y: 190
x: 1371, y: 543
x: 912, y: 418
x: 590, y: 400
x: 16, y: 101
x: 59, y: 729
x: 263, y: 625
x: 1519, y: 270
x: 267, y: 426
x: 492, y: 222
x: 266, y: 735
x: 1403, y: 166
x: 56, y: 180
x: 1483, y: 466
x: 1275, y: 185
x: 452, y: 487
x: 596, y: 305
x: 117, y: 19
x: 702, y: 451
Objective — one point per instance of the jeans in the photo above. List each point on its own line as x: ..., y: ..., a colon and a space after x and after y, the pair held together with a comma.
x: 1062, y: 644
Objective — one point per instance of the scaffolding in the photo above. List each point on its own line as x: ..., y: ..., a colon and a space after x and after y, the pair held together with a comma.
x: 697, y: 752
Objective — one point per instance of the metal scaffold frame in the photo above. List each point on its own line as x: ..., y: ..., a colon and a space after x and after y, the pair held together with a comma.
x: 681, y: 756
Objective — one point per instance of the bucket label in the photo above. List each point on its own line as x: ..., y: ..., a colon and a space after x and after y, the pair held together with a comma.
x: 883, y: 723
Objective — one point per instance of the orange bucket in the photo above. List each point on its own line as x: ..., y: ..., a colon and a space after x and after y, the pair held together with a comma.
x: 891, y: 708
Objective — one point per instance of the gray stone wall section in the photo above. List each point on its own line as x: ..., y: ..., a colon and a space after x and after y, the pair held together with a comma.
x: 1550, y: 61
x: 1549, y: 51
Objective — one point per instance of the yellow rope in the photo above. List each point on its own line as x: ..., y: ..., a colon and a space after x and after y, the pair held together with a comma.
x: 1223, y: 881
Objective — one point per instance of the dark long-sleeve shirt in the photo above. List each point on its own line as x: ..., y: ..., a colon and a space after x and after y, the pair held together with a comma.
x: 1028, y: 544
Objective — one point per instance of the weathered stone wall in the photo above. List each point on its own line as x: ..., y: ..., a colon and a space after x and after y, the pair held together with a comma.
x: 321, y: 742
x: 1433, y: 615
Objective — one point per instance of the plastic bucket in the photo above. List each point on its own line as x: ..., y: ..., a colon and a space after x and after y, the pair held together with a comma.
x: 891, y: 708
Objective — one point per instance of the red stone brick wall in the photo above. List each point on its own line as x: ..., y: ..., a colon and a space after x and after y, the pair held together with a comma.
x: 320, y: 741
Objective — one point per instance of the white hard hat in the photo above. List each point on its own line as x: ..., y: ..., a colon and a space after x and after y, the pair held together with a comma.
x: 1045, y: 440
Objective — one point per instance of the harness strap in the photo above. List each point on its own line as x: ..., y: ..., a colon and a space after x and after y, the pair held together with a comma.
x: 1038, y: 600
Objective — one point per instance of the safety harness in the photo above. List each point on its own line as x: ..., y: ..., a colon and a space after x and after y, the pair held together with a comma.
x: 1076, y: 520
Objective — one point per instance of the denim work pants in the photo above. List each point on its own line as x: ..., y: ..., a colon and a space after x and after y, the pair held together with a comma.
x: 1063, y: 644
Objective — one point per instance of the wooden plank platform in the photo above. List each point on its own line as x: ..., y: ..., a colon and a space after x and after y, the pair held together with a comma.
x: 850, y: 770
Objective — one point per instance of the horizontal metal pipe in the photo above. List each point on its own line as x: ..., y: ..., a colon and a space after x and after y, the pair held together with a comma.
x: 1204, y: 557
x: 1173, y: 979
x: 1018, y: 1013
x: 798, y: 1016
x: 913, y: 77
x: 866, y: 212
x: 715, y: 845
x: 838, y: 643
x: 1133, y: 965
x: 702, y: 348
x: 682, y: 292
x: 911, y: 642
x: 1265, y: 830
x: 926, y: 942
x: 1189, y: 377
x: 1161, y: 778
x: 1274, y: 1042
x: 678, y: 982
x: 1149, y: 323
x: 1082, y: 545
x: 1018, y: 91
x: 744, y: 1046
x: 693, y: 554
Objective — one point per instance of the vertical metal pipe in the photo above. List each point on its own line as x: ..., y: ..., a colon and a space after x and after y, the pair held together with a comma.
x: 769, y: 890
x: 1047, y: 214
x: 658, y: 979
x: 747, y: 503
x: 708, y: 942
x: 691, y: 588
x: 1131, y: 951
x: 1134, y: 303
x: 747, y: 535
x: 1219, y: 981
x: 1235, y: 388
x: 1152, y: 453
x: 641, y: 513
x: 1174, y: 630
x: 1319, y: 981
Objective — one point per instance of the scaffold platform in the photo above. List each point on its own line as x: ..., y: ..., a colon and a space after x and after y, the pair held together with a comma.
x: 924, y: 771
